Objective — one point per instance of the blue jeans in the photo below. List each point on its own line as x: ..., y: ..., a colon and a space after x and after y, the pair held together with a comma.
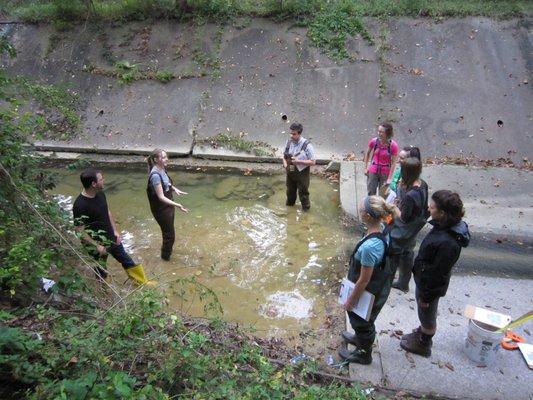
x: 118, y: 252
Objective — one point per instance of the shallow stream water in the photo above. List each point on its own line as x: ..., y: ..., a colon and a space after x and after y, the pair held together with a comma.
x: 272, y: 267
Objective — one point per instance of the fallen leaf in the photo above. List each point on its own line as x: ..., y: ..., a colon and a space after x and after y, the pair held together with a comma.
x: 449, y: 366
x: 73, y: 360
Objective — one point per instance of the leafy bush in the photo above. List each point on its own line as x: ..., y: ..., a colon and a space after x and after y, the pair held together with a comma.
x: 28, y: 249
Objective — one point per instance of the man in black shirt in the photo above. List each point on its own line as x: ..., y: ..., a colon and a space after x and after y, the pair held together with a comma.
x: 94, y: 221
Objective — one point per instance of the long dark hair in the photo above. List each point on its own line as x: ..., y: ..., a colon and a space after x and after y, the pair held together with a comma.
x: 451, y: 205
x: 411, y: 170
x: 151, y: 158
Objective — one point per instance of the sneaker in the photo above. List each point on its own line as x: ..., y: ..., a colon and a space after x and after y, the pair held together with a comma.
x: 350, y: 338
x: 358, y: 356
x: 413, y: 343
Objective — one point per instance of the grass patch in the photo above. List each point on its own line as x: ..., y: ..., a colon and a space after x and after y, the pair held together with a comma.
x: 237, y: 143
x: 164, y: 76
x: 127, y: 73
x: 330, y: 28
x: 225, y: 10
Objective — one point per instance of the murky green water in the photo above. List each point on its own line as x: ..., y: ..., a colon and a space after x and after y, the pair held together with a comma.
x: 272, y: 266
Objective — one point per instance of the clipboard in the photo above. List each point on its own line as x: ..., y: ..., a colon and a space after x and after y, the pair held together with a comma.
x: 364, y: 304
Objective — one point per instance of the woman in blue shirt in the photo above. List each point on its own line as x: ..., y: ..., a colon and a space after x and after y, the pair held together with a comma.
x: 369, y: 271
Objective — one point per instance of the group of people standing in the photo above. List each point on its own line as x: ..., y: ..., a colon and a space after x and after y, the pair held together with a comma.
x: 393, y: 219
x: 98, y: 230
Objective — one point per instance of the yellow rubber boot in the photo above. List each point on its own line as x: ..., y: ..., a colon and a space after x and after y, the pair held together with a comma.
x: 137, y: 274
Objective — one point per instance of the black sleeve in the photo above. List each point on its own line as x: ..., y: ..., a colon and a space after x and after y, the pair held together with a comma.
x: 436, y: 276
x: 408, y: 209
x: 76, y: 214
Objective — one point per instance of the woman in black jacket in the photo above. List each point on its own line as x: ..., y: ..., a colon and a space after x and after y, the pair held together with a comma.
x: 432, y: 268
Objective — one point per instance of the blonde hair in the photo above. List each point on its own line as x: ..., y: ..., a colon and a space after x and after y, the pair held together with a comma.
x: 151, y: 158
x: 377, y: 208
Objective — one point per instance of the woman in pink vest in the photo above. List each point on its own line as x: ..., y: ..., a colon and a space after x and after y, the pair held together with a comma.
x: 382, y: 153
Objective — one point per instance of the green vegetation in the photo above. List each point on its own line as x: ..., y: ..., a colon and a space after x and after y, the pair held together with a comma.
x: 164, y: 76
x: 56, y: 107
x: 224, y: 10
x: 237, y: 143
x: 84, y: 340
x: 330, y: 22
x: 127, y: 73
x: 331, y: 27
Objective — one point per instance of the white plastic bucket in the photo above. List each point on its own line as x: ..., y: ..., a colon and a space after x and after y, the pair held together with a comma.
x: 482, y: 343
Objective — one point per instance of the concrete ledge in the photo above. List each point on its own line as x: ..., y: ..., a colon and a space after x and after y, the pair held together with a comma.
x: 347, y: 188
x: 63, y: 148
x: 497, y: 200
x: 211, y: 153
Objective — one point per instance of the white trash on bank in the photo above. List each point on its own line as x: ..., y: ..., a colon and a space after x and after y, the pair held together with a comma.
x: 47, y: 284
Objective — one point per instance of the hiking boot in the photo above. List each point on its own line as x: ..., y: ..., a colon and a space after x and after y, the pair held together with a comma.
x: 417, y: 343
x: 358, y: 356
x: 350, y: 338
x: 400, y: 286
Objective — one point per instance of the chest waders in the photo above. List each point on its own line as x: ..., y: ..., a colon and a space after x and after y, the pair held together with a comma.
x: 379, y: 286
x: 297, y: 181
x: 163, y: 214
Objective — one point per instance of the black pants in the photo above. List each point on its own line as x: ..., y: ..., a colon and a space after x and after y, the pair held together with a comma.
x: 298, y: 181
x: 427, y: 316
x: 165, y: 218
x: 365, y: 331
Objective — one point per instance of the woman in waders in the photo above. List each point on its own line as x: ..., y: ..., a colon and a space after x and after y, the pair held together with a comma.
x: 159, y: 192
x: 410, y: 217
x: 369, y: 271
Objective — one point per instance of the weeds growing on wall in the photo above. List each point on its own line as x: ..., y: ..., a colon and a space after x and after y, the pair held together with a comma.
x: 237, y: 143
x: 56, y: 107
x: 330, y: 28
x: 330, y: 22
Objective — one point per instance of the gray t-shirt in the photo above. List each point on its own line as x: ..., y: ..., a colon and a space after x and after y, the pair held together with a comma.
x: 296, y: 148
x: 155, y: 179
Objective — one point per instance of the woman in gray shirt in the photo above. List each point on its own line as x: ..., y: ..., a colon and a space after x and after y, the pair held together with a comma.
x: 162, y: 205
